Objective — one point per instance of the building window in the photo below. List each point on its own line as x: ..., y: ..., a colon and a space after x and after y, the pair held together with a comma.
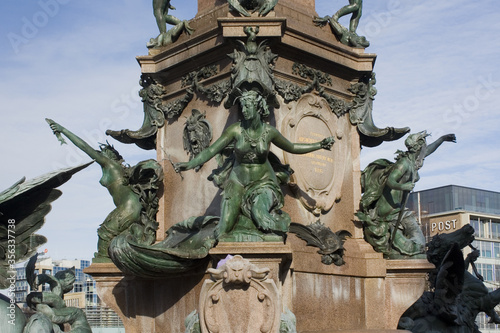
x: 495, y: 230
x: 496, y: 251
x: 497, y: 273
x: 483, y: 228
x: 487, y: 272
x: 486, y: 249
x: 475, y: 224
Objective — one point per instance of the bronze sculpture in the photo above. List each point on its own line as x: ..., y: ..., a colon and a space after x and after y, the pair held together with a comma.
x: 346, y: 36
x: 151, y: 96
x: 263, y: 7
x: 456, y: 296
x: 23, y: 208
x: 160, y: 9
x: 330, y: 244
x: 197, y: 134
x: 388, y: 226
x: 251, y: 188
x: 119, y: 180
x: 50, y: 304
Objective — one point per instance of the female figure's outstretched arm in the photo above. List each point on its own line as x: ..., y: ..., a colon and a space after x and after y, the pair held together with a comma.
x: 77, y: 141
x: 433, y: 146
x: 225, y: 139
x: 299, y: 148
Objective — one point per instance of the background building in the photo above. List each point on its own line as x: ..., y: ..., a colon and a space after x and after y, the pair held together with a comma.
x: 84, y: 296
x: 448, y: 208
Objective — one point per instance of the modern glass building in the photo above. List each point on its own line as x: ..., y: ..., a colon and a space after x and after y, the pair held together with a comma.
x: 448, y: 208
x: 453, y: 197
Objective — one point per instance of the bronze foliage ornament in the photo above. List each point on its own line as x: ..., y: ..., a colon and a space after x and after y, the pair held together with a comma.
x: 156, y: 112
x: 360, y: 109
x: 293, y: 92
x: 361, y: 115
x: 151, y: 94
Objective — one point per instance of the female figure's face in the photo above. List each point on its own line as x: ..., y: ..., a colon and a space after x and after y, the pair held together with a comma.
x: 417, y: 148
x: 249, y: 107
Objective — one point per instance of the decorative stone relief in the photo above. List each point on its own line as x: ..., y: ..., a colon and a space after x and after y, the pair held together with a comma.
x: 318, y: 175
x: 215, y: 93
x: 240, y: 297
x: 292, y: 92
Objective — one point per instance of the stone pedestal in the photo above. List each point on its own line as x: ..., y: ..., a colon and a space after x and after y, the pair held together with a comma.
x: 148, y: 305
x: 405, y: 283
x: 367, y: 293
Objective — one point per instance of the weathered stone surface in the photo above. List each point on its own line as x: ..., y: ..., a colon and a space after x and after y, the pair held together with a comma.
x: 239, y: 298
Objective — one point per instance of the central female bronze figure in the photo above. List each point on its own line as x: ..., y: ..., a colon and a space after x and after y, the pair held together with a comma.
x: 252, y: 188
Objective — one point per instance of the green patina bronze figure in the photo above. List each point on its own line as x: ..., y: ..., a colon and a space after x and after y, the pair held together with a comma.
x: 126, y: 186
x: 330, y: 244
x: 50, y: 306
x: 388, y: 226
x: 160, y: 9
x: 346, y: 36
x: 252, y: 63
x: 23, y: 208
x: 456, y: 296
x: 251, y: 188
x: 263, y: 7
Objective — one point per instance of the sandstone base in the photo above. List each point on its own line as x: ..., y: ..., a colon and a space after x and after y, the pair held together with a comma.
x: 368, y: 293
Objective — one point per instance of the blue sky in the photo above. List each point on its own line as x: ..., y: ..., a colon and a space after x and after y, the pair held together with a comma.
x: 74, y: 61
